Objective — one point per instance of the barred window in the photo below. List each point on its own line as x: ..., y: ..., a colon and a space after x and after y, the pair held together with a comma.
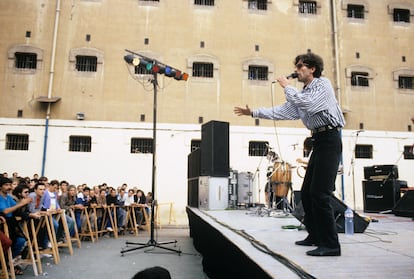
x: 258, y: 72
x: 142, y: 145
x: 356, y: 11
x: 204, y: 2
x: 409, y: 152
x: 307, y: 7
x: 257, y: 4
x: 17, y: 142
x: 405, y: 82
x: 86, y: 63
x: 195, y: 144
x: 401, y: 15
x: 258, y: 148
x: 363, y: 151
x: 359, y: 79
x: 80, y: 143
x: 201, y: 69
x: 25, y: 60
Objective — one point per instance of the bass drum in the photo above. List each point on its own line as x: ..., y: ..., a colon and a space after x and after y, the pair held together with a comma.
x: 281, y: 178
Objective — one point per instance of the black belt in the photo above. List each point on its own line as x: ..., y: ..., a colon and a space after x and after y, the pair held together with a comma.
x: 324, y: 129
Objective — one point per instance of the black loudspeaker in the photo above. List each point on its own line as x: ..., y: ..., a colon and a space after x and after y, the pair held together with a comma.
x: 360, y: 223
x: 215, y: 149
x: 194, y: 164
x: 405, y: 206
x: 192, y: 192
x: 380, y: 195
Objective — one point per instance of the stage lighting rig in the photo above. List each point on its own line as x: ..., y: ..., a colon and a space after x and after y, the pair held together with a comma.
x: 154, y: 66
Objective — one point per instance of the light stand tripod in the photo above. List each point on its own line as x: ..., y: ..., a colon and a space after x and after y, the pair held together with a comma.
x: 152, y: 242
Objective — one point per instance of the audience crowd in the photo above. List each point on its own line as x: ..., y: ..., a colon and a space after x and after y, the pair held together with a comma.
x: 24, y: 198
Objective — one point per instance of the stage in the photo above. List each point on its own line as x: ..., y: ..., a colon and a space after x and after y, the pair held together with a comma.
x: 245, y: 244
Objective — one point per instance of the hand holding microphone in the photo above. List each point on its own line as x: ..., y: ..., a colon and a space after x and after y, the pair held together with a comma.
x: 283, y: 81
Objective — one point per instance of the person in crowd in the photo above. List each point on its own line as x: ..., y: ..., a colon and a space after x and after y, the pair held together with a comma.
x: 148, y: 199
x: 101, y: 205
x: 63, y: 188
x: 50, y: 203
x: 318, y: 109
x: 81, y: 202
x: 36, y: 206
x: 131, y: 200
x: 112, y: 200
x: 7, y: 207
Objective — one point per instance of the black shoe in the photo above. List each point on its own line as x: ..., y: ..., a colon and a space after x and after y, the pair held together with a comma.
x: 305, y: 242
x: 324, y: 251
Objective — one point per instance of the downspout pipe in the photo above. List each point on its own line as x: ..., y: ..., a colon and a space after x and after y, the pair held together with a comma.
x: 337, y: 77
x: 50, y: 87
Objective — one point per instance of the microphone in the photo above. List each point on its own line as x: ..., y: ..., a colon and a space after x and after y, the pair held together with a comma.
x: 292, y: 75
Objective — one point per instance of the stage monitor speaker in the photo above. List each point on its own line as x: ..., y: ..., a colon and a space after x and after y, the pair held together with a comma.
x: 405, y: 206
x: 380, y: 195
x: 215, y: 149
x: 360, y: 223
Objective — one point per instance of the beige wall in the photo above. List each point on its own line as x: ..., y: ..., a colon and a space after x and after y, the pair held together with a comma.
x: 175, y: 28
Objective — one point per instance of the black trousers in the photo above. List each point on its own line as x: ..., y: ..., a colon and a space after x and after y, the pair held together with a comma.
x: 318, y: 186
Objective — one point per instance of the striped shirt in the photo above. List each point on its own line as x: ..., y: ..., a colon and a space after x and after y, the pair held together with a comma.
x: 315, y: 105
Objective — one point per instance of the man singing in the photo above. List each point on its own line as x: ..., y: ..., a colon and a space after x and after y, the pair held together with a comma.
x: 319, y: 111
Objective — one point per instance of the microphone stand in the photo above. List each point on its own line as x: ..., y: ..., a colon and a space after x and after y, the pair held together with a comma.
x: 352, y: 168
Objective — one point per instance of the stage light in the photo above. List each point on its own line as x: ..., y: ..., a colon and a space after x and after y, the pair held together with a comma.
x: 156, y: 68
x: 184, y: 76
x: 131, y: 59
x: 177, y: 75
x: 168, y: 71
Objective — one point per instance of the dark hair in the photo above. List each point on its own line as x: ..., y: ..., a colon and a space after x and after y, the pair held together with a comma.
x: 54, y: 182
x: 312, y: 61
x: 38, y: 184
x: 156, y: 272
x: 17, y: 192
x: 4, y: 180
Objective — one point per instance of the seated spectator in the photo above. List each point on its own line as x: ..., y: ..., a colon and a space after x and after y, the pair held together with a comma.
x: 82, y: 201
x: 50, y: 202
x: 131, y: 200
x: 7, y: 207
x: 36, y: 206
x: 112, y: 200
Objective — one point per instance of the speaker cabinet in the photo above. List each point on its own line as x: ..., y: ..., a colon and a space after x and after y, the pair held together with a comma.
x: 192, y: 192
x: 405, y: 206
x: 360, y: 223
x: 215, y: 149
x: 194, y: 164
x: 380, y: 195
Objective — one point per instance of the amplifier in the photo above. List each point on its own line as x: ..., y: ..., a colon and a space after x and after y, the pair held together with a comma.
x: 381, y: 172
x: 380, y: 195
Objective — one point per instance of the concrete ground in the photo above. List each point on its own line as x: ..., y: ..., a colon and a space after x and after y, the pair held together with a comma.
x: 103, y: 259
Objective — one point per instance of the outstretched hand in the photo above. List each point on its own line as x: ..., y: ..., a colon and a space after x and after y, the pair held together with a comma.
x: 242, y: 111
